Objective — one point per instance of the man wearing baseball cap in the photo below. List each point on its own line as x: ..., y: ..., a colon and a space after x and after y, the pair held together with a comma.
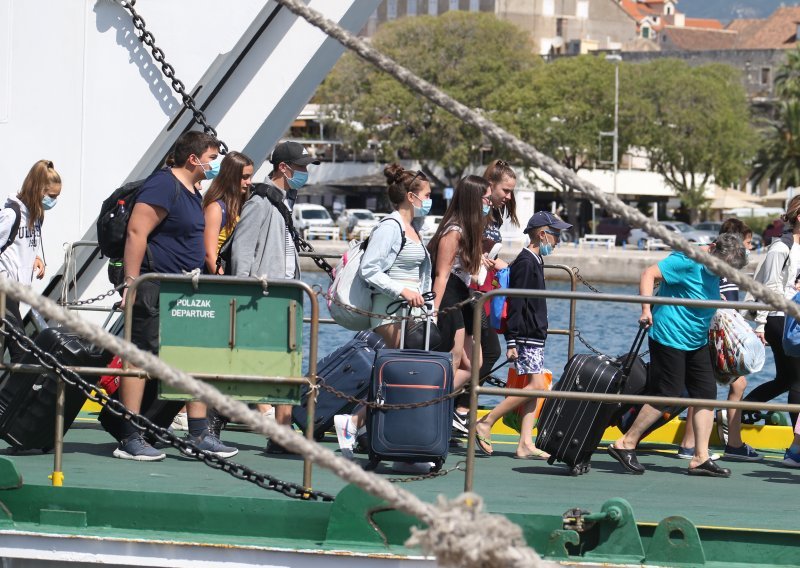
x: 264, y: 242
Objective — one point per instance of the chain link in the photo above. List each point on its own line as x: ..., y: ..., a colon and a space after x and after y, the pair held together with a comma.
x: 583, y: 281
x: 163, y: 435
x: 147, y: 38
x: 384, y: 406
x: 97, y: 298
x: 303, y: 245
x: 431, y: 475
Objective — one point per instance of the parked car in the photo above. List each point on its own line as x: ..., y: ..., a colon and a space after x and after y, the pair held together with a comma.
x: 684, y: 229
x: 713, y: 226
x: 305, y: 215
x: 614, y: 226
x: 429, y: 227
x: 352, y: 221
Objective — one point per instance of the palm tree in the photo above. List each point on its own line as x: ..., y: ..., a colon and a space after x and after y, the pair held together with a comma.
x: 778, y: 160
x: 787, y: 79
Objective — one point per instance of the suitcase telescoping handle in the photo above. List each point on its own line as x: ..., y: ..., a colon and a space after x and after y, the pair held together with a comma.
x: 401, y: 304
x: 627, y: 364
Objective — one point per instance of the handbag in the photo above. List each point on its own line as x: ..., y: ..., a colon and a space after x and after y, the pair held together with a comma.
x: 415, y: 330
x: 791, y: 333
x: 735, y: 349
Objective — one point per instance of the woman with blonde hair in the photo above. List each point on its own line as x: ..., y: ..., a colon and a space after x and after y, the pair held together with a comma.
x: 21, y: 233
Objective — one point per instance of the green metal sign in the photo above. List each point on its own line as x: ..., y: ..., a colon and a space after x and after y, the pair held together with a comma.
x: 233, y: 329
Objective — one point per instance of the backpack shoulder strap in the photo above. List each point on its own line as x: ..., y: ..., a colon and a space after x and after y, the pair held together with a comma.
x: 14, y: 206
x: 402, y: 231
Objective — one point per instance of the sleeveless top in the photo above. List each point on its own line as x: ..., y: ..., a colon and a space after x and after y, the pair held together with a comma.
x: 223, y: 232
x: 407, y: 264
x: 457, y: 269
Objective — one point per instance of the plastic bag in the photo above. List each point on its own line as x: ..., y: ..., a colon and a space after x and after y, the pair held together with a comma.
x: 791, y: 333
x: 735, y: 348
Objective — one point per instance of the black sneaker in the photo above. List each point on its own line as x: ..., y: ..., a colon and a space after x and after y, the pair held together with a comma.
x: 460, y: 422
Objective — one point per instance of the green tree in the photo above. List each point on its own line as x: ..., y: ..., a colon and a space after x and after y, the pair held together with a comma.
x: 474, y: 57
x: 571, y: 101
x: 787, y: 78
x: 694, y: 123
x: 778, y: 159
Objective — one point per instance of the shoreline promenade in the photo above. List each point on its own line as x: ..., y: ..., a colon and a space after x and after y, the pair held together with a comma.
x: 596, y: 263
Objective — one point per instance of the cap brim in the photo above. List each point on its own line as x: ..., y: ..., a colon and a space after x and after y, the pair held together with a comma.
x: 306, y: 160
x: 561, y: 225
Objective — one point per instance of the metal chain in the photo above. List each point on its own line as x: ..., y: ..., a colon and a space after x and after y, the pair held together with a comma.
x: 431, y: 475
x: 305, y: 246
x: 97, y: 298
x: 383, y: 406
x: 577, y: 272
x: 442, y: 311
x: 147, y: 38
x: 263, y: 480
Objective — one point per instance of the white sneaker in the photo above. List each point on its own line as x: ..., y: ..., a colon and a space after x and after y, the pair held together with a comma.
x: 346, y: 433
x: 269, y: 415
x: 180, y: 422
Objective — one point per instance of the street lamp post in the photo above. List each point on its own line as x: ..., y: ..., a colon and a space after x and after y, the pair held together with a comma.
x: 616, y: 58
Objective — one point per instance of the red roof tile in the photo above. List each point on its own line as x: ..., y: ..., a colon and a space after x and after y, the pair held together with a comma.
x: 698, y: 39
x: 704, y: 23
x: 778, y: 31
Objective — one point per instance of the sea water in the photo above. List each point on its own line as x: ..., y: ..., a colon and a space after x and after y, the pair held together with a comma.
x: 608, y: 327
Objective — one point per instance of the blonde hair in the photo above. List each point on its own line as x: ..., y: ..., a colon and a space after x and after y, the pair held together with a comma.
x: 39, y: 179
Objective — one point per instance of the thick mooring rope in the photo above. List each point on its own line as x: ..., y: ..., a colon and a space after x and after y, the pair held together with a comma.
x: 470, y: 525
x: 539, y: 160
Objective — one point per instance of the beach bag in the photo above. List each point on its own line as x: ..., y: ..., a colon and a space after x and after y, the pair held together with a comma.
x: 735, y: 348
x: 514, y: 381
x: 791, y: 333
x: 349, y: 290
x: 498, y: 311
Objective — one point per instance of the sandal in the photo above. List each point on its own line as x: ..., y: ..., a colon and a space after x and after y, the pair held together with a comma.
x: 537, y: 455
x: 479, y: 443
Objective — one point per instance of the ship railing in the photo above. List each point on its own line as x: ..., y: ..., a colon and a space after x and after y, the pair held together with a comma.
x: 476, y: 390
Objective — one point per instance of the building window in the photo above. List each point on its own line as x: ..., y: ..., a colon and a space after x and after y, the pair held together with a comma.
x: 582, y: 9
x: 433, y: 7
x: 548, y: 8
x: 766, y: 73
x: 411, y: 7
x: 474, y: 5
x: 646, y: 32
x: 454, y: 4
x: 560, y: 27
x: 391, y: 9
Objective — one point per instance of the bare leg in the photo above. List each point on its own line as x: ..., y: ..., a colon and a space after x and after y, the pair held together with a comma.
x: 688, y: 434
x: 196, y: 409
x: 648, y: 416
x: 283, y: 414
x: 131, y: 392
x: 736, y: 392
x: 703, y: 421
x: 468, y: 367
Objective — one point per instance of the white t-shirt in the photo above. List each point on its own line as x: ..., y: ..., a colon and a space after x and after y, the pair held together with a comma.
x: 17, y: 260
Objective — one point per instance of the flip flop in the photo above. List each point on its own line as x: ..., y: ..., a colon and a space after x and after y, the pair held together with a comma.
x: 539, y: 455
x: 479, y: 441
x: 626, y: 458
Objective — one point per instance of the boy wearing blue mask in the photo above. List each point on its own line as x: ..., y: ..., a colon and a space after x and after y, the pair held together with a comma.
x: 526, y: 331
x: 263, y: 243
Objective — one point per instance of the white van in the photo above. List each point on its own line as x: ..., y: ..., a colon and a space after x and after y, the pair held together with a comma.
x: 305, y: 215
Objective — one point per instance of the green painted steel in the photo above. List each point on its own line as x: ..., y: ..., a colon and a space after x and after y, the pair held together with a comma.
x: 676, y: 542
x: 10, y: 478
x: 227, y: 329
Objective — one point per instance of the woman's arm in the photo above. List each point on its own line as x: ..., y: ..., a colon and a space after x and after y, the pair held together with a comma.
x: 445, y: 256
x: 144, y: 219
x: 213, y: 216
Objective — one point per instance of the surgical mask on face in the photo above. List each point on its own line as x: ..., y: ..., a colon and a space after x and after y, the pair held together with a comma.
x: 486, y: 209
x: 213, y: 165
x: 424, y: 208
x: 545, y: 249
x: 49, y: 202
x: 298, y: 179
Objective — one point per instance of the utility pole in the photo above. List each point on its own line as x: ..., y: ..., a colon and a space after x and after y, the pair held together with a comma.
x: 616, y: 58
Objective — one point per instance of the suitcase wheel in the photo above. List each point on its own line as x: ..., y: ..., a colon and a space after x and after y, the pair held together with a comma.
x: 575, y: 471
x: 437, y: 465
x: 372, y: 464
x: 551, y: 460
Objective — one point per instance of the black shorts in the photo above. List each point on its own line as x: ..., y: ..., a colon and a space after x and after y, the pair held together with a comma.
x: 145, y: 318
x: 673, y: 370
x: 450, y: 322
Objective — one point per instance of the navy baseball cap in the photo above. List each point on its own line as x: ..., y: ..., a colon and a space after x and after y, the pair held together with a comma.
x: 546, y: 219
x: 292, y: 153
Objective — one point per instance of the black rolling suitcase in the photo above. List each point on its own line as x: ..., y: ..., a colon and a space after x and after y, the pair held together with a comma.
x: 28, y: 401
x: 159, y: 412
x: 570, y: 430
x: 349, y: 370
x: 402, y: 376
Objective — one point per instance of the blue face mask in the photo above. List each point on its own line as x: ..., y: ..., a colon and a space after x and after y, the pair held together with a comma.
x: 214, y: 167
x: 486, y: 209
x: 49, y: 202
x: 545, y: 249
x: 298, y: 180
x: 425, y: 207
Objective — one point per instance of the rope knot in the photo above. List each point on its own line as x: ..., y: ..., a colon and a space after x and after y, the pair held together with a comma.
x: 195, y: 274
x: 264, y: 284
x: 459, y: 533
x: 313, y: 387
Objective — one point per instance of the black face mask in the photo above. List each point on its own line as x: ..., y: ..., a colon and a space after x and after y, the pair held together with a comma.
x: 291, y: 197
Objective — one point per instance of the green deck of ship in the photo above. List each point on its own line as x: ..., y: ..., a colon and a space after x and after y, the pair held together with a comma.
x: 179, y: 499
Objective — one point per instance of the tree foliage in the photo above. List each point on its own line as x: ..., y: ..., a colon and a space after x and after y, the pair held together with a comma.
x: 695, y: 124
x: 475, y: 58
x: 778, y: 159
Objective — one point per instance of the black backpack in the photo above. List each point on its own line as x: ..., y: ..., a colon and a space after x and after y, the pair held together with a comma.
x: 275, y: 197
x: 112, y: 224
x: 15, y: 227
